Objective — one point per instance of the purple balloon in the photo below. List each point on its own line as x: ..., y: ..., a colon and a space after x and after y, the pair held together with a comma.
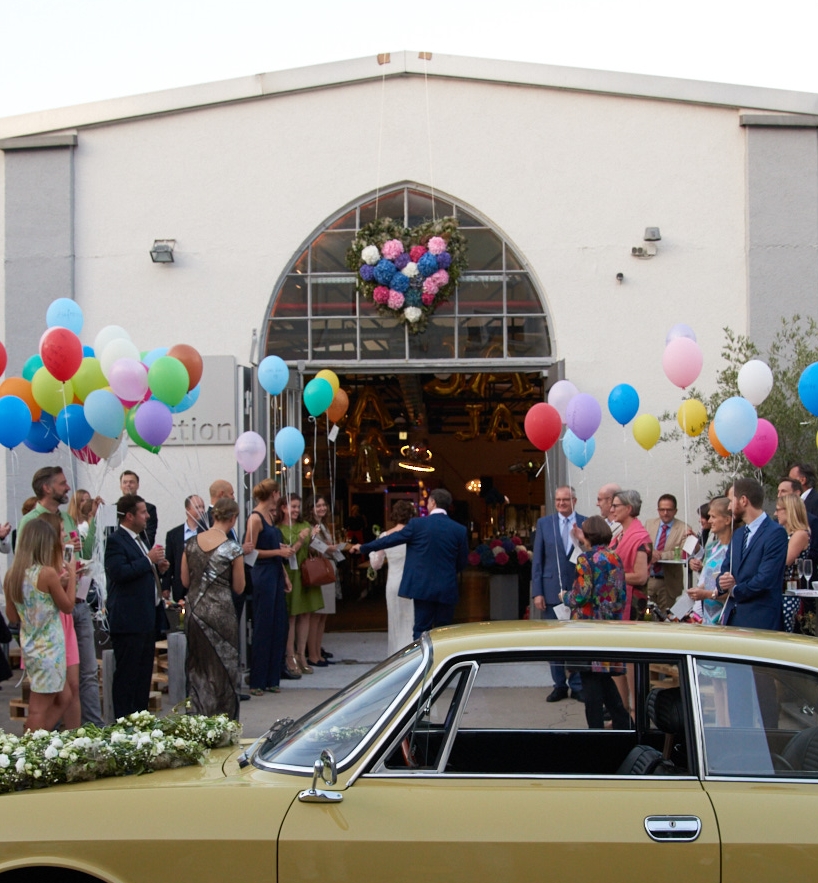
x: 680, y: 330
x: 583, y: 415
x: 153, y: 422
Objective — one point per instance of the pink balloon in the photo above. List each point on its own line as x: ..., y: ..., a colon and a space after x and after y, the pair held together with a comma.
x: 251, y: 449
x: 682, y: 361
x: 560, y: 394
x: 128, y: 379
x: 763, y: 444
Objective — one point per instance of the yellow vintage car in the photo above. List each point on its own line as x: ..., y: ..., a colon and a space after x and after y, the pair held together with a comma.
x: 444, y: 763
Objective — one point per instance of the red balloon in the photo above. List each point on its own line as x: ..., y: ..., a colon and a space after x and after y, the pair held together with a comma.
x: 61, y: 352
x: 86, y: 455
x: 543, y: 425
x: 4, y: 358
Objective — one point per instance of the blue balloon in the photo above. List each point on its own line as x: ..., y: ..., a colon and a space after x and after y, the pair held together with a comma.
x: 189, y: 400
x: 808, y: 389
x: 735, y: 422
x: 273, y: 374
x: 579, y: 452
x: 73, y: 428
x: 87, y: 351
x: 15, y: 421
x: 104, y: 413
x: 289, y: 445
x: 66, y: 313
x: 152, y: 355
x: 42, y: 437
x: 623, y: 403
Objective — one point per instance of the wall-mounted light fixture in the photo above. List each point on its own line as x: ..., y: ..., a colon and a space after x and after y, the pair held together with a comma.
x: 473, y: 486
x: 162, y: 251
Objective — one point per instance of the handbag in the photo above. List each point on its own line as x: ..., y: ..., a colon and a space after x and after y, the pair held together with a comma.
x: 317, y: 572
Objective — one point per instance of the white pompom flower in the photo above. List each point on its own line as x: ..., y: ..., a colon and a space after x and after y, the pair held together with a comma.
x: 412, y: 314
x: 370, y: 255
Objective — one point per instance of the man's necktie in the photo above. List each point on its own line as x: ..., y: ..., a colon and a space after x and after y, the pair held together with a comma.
x: 656, y: 569
x: 745, y: 539
x: 157, y: 579
x: 566, y: 536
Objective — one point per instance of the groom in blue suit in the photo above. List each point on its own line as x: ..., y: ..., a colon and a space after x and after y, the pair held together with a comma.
x: 552, y: 572
x: 753, y: 568
x: 437, y: 549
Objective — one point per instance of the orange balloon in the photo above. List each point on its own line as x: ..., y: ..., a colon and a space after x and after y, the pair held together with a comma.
x: 18, y: 386
x: 718, y: 447
x: 191, y: 359
x: 339, y: 406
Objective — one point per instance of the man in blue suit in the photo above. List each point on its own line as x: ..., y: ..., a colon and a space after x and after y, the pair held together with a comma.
x: 553, y: 572
x: 753, y: 568
x: 437, y: 550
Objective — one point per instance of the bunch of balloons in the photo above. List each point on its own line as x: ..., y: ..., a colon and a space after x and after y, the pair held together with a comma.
x: 86, y: 396
x: 580, y: 413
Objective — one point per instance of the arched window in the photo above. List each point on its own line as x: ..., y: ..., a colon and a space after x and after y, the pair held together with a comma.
x: 317, y: 316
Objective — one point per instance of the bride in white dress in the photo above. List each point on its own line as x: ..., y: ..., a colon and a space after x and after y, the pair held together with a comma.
x: 400, y: 612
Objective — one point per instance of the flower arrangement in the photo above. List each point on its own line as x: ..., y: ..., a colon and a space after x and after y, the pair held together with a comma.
x: 139, y: 743
x: 501, y: 554
x: 408, y: 273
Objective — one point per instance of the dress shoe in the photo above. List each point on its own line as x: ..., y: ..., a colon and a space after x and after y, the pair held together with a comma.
x: 325, y: 654
x: 302, y: 665
x: 557, y: 694
x: 243, y: 697
x: 320, y: 664
x: 287, y: 675
x: 578, y: 695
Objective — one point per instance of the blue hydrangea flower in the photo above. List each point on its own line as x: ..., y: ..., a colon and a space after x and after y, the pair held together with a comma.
x: 400, y: 283
x: 384, y: 271
x: 428, y: 264
x: 413, y: 298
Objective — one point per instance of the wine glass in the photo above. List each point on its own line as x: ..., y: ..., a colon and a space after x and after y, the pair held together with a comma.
x: 799, y: 566
x: 807, y: 565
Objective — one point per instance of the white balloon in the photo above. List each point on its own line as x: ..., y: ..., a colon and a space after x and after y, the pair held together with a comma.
x: 118, y: 348
x: 108, y: 333
x: 560, y: 394
x: 103, y: 446
x: 755, y: 380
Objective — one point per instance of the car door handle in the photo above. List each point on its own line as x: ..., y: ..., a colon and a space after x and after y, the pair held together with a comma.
x: 676, y: 829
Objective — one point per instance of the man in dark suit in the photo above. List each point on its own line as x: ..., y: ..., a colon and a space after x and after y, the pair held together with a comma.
x: 136, y: 612
x: 804, y: 473
x: 553, y: 572
x: 437, y: 550
x: 129, y: 484
x: 175, y: 542
x: 753, y: 568
x: 793, y: 486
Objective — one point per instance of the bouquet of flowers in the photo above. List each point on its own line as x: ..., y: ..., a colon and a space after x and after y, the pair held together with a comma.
x: 501, y: 555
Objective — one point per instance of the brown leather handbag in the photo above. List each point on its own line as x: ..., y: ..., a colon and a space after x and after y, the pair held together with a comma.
x: 317, y: 572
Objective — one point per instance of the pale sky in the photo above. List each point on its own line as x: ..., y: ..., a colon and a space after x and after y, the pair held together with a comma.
x: 55, y: 53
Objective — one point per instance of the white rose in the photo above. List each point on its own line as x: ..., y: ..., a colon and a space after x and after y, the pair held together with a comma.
x: 57, y: 742
x: 4, y: 760
x: 51, y: 752
x: 37, y: 774
x: 157, y: 734
x: 370, y: 255
x: 21, y: 765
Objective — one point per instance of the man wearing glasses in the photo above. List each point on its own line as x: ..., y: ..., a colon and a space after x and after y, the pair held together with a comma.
x: 604, y: 498
x: 668, y: 534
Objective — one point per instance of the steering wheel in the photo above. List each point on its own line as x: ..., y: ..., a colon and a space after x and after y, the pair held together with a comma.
x: 408, y: 754
x: 781, y: 764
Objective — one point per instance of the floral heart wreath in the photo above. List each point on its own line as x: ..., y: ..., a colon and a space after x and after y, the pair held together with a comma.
x: 408, y: 273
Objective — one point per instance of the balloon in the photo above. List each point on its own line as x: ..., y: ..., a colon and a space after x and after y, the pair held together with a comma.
x: 133, y: 433
x: 560, y: 394
x: 88, y: 352
x: 31, y: 366
x: 755, y: 380
x: 89, y: 377
x: 289, y: 445
x: 543, y: 425
x: 16, y: 386
x: 42, y: 438
x: 189, y: 400
x: 15, y: 421
x: 646, y: 430
x: 118, y: 348
x: 763, y: 445
x: 692, y: 417
x: 331, y: 377
x: 339, y: 406
x: 577, y: 450
x: 808, y: 388
x: 49, y: 393
x: 4, y: 358
x: 168, y: 380
x: 191, y: 359
x: 152, y: 355
x: 680, y: 330
x: 682, y: 361
x: 73, y: 428
x: 61, y: 352
x: 583, y: 415
x: 109, y: 333
x: 153, y: 422
x: 735, y: 422
x: 623, y: 403
x: 273, y: 374
x: 718, y: 447
x: 318, y: 396
x: 104, y: 447
x: 251, y: 451
x: 86, y: 454
x: 128, y: 378
x: 66, y: 313
x: 104, y: 413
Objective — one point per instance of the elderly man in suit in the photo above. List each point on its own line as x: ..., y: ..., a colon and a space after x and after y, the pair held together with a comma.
x: 175, y: 541
x: 666, y: 583
x: 552, y: 572
x: 136, y: 612
x: 437, y: 550
x: 753, y: 568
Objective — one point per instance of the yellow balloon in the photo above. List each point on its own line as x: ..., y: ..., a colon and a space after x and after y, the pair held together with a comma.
x: 692, y: 417
x: 89, y: 377
x: 332, y: 379
x: 646, y: 430
x: 51, y: 395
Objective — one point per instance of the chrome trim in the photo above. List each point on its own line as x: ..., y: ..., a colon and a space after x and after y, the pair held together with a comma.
x: 464, y: 698
x: 563, y: 777
x: 673, y: 829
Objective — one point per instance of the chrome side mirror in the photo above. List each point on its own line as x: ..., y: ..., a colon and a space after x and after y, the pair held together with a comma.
x: 324, y: 767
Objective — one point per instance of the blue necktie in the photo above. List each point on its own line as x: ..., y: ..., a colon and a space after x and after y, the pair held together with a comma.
x: 745, y: 539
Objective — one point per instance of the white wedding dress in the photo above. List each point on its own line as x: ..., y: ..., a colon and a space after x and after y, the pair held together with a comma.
x: 400, y: 612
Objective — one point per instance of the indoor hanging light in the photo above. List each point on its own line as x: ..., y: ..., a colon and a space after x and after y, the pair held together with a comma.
x: 416, y: 458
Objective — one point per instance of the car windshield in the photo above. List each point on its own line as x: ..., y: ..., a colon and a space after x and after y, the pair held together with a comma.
x: 343, y: 722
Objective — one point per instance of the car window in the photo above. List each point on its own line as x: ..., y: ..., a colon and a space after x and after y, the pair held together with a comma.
x: 758, y: 719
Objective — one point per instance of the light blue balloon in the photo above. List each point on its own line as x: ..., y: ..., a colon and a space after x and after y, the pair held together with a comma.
x: 152, y: 355
x: 190, y: 399
x: 623, y: 403
x: 66, y: 313
x: 808, y: 388
x: 15, y: 421
x: 579, y: 452
x: 273, y: 374
x: 289, y: 445
x: 104, y: 413
x: 736, y: 422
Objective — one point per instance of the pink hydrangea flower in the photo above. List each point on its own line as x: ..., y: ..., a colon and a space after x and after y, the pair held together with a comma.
x: 440, y: 278
x: 437, y: 244
x: 474, y: 559
x: 396, y: 299
x: 427, y: 299
x: 416, y: 252
x: 392, y: 249
x: 430, y: 287
x: 495, y: 544
x: 381, y: 294
x: 522, y: 554
x: 502, y: 558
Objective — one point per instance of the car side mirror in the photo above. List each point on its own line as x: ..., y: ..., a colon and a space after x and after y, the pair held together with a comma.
x: 325, y: 768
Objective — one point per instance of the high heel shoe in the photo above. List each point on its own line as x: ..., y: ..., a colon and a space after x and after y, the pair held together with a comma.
x: 302, y: 665
x: 292, y: 668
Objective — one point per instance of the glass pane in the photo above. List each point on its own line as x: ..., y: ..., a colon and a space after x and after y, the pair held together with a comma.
x: 292, y: 298
x: 332, y: 296
x: 528, y: 337
x: 480, y: 294
x: 329, y: 252
x: 301, y: 264
x: 334, y: 338
x: 467, y: 220
x: 389, y: 206
x: 521, y: 297
x: 485, y: 250
x: 512, y: 261
x: 436, y: 342
x: 346, y: 222
x: 382, y: 338
x: 422, y: 208
x: 481, y: 338
x: 287, y: 339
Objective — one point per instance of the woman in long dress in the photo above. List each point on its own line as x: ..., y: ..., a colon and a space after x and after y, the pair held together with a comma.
x: 400, y: 612
x: 212, y: 569
x: 317, y: 510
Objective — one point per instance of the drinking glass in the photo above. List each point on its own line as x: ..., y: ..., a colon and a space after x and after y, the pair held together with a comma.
x: 799, y: 566
x: 808, y: 572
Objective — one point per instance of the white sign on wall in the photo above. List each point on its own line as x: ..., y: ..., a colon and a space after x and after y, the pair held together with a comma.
x: 212, y: 420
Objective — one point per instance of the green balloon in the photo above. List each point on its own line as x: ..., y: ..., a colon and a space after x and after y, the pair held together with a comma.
x: 89, y: 377
x: 135, y: 437
x: 51, y: 395
x: 168, y: 380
